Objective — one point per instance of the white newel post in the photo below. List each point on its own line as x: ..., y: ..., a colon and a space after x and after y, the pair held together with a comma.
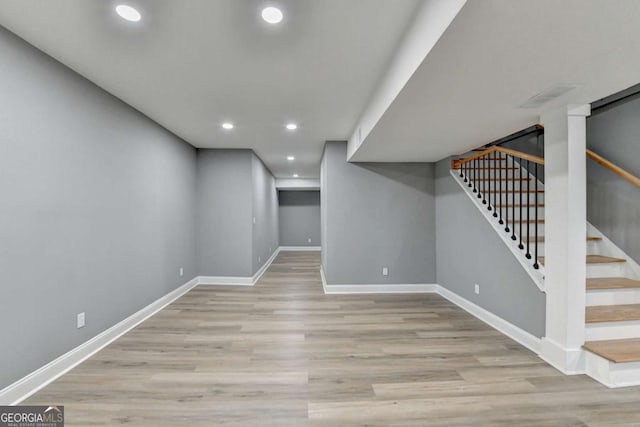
x: 565, y: 236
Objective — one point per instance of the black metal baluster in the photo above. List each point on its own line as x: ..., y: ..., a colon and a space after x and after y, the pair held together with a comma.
x: 484, y: 180
x: 500, y: 193
x: 535, y: 261
x: 491, y: 182
x: 513, y: 200
x: 478, y: 183
x: 521, y: 246
x: 506, y: 195
x: 469, y: 174
x: 528, y: 255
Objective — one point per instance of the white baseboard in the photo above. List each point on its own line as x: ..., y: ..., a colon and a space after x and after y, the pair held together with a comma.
x: 410, y: 288
x: 301, y: 248
x: 25, y: 387
x: 238, y: 281
x: 509, y: 329
x: 568, y: 361
x: 225, y: 281
x: 519, y: 335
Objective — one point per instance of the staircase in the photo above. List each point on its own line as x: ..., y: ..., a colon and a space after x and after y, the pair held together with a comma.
x: 504, y: 184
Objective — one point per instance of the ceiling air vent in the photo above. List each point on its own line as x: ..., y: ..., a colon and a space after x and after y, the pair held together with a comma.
x: 548, y: 95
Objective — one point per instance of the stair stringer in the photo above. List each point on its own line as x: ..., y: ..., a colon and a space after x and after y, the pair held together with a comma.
x: 536, y: 275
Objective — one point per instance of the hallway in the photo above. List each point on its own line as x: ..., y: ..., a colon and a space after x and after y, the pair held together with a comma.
x: 282, y: 353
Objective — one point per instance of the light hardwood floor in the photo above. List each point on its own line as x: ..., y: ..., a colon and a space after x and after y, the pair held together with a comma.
x: 284, y: 354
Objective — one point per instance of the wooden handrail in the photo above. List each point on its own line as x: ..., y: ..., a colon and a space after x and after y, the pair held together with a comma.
x: 514, y: 153
x: 613, y: 168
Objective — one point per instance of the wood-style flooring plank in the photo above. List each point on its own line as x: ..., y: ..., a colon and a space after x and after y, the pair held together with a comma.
x: 282, y: 353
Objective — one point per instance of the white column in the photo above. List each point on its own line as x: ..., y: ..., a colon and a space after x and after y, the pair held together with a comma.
x: 565, y: 236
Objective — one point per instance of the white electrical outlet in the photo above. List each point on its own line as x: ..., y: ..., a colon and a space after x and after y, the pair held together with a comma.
x: 259, y: 259
x: 477, y: 289
x: 80, y: 321
x: 309, y: 240
x: 254, y: 219
x: 181, y: 271
x: 385, y: 271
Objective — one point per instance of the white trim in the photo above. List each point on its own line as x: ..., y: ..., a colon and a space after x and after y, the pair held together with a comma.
x: 517, y: 334
x: 225, y: 281
x: 569, y: 361
x: 536, y: 275
x: 25, y: 387
x: 611, y: 374
x: 607, y: 247
x: 509, y: 329
x: 301, y: 248
x: 238, y: 280
x: 385, y: 288
x: 323, y: 278
x: 409, y: 288
x: 265, y: 266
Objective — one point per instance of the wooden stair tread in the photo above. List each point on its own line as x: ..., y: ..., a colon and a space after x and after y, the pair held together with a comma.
x: 517, y: 191
x: 618, y: 351
x: 612, y: 313
x: 612, y: 283
x: 540, y: 205
x: 595, y: 259
x: 503, y: 179
x: 499, y: 168
x: 541, y: 239
x: 600, y: 259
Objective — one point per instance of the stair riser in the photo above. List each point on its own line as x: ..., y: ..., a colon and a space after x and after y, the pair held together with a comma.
x: 614, y: 269
x: 593, y: 246
x: 612, y: 374
x: 612, y: 330
x: 613, y: 297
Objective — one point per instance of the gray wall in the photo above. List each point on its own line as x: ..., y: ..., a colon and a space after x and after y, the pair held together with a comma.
x: 95, y: 214
x: 265, y: 211
x: 224, y: 212
x: 299, y: 218
x: 377, y: 215
x: 470, y: 252
x: 234, y: 186
x: 613, y: 204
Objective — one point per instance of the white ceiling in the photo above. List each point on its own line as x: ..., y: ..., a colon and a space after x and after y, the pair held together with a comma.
x: 191, y: 65
x: 493, y: 57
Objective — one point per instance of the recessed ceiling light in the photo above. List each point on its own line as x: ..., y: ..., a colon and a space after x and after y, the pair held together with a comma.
x: 128, y: 13
x: 272, y: 15
x: 227, y: 125
x: 295, y: 175
x: 291, y: 158
x: 292, y: 126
